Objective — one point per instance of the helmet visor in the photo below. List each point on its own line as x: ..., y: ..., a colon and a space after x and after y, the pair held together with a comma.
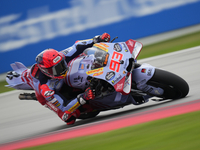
x: 59, y: 69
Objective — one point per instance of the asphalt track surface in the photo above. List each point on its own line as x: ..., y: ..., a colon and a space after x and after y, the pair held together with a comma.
x: 28, y: 119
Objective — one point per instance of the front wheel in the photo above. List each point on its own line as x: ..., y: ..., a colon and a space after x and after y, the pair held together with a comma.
x: 174, y: 86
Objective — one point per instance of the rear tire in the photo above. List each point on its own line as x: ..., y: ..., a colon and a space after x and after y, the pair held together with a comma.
x: 174, y: 86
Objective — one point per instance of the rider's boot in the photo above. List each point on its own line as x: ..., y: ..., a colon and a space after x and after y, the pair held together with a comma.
x: 137, y: 100
x: 72, y: 117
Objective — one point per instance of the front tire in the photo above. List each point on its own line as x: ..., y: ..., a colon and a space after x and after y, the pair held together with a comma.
x: 174, y: 86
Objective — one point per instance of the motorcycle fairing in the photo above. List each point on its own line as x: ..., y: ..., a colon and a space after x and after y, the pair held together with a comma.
x: 17, y: 82
x: 142, y: 75
x: 111, y: 101
x: 111, y: 68
x: 76, y: 76
x: 118, y: 61
x: 85, y: 66
x: 134, y: 47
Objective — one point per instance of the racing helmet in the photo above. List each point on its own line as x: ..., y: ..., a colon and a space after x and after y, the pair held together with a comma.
x: 52, y: 63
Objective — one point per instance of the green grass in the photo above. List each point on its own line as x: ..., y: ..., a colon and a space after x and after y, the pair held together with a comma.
x: 175, y: 133
x: 187, y: 41
x: 175, y: 44
x: 3, y: 88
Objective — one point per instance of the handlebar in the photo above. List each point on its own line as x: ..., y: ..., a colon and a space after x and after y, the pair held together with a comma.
x: 114, y: 39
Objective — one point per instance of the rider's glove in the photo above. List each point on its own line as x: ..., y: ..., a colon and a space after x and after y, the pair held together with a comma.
x: 105, y: 37
x: 89, y: 94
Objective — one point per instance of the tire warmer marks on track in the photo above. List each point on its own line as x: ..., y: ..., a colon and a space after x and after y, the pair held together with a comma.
x: 107, y: 126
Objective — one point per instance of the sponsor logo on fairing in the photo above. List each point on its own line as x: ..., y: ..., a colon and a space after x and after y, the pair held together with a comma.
x: 78, y: 80
x: 126, y: 83
x: 98, y: 73
x: 82, y: 66
x: 116, y: 79
x: 124, y: 47
x: 118, y: 47
x: 130, y: 43
x: 149, y: 72
x: 119, y: 86
x: 110, y: 75
x: 94, y: 71
x: 143, y: 70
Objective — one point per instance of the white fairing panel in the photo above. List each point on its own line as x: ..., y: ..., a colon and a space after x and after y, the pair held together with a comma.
x: 16, y: 82
x: 127, y: 85
x: 143, y: 74
x: 137, y: 49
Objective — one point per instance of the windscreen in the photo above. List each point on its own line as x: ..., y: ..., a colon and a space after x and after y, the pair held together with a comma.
x: 101, y: 57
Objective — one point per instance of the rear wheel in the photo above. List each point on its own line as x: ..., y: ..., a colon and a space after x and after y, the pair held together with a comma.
x: 174, y: 86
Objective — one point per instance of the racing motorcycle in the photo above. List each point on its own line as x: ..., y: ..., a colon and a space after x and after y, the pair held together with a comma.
x: 112, y: 70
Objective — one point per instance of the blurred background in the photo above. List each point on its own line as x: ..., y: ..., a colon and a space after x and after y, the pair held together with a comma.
x: 28, y: 27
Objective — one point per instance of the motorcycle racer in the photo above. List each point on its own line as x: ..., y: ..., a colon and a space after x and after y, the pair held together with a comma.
x: 48, y: 80
x: 109, y: 73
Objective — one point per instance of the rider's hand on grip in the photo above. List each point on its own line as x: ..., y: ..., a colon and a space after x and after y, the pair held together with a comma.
x: 96, y: 85
x: 105, y: 37
x: 89, y: 94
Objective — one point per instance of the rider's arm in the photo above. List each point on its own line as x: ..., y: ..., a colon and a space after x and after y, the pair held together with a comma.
x: 73, y: 51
